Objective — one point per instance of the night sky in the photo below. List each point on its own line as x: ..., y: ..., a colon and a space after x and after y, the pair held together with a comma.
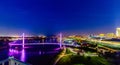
x: 54, y: 16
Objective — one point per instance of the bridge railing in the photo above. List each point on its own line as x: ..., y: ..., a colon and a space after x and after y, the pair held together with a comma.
x: 12, y: 61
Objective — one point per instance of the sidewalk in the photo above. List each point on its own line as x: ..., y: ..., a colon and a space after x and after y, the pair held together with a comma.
x: 61, y: 55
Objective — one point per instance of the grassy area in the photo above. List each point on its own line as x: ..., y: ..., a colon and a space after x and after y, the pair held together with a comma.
x: 64, y: 52
x: 82, y: 60
x: 74, y: 59
x: 68, y: 51
x: 89, y: 49
x: 61, y: 52
x: 66, y: 60
x: 112, y: 46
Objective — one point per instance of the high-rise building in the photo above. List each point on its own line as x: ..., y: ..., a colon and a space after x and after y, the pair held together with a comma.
x: 118, y: 32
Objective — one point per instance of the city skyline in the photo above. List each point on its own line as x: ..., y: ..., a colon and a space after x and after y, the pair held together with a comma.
x: 52, y: 17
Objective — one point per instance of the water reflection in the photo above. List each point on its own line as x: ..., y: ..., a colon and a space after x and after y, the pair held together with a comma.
x: 23, y: 55
x: 12, y: 51
x: 15, y: 52
x: 35, y: 55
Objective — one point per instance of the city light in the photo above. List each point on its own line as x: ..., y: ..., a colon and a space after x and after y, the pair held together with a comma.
x: 118, y: 32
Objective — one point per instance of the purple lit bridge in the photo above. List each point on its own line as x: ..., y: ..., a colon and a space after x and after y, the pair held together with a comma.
x: 13, y: 44
x: 24, y: 44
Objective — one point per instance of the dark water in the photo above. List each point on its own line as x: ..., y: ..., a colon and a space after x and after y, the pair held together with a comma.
x: 35, y: 55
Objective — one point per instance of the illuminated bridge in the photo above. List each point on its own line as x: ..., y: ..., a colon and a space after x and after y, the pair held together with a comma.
x: 23, y: 43
x: 13, y: 44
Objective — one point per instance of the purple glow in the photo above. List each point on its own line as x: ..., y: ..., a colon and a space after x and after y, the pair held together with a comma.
x: 35, y: 44
x: 22, y: 55
x: 51, y: 52
x: 40, y: 52
x: 23, y: 40
x: 13, y: 51
x: 57, y: 49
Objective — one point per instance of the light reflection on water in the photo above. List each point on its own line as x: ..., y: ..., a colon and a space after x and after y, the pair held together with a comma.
x: 32, y: 55
x: 14, y: 52
x: 23, y: 55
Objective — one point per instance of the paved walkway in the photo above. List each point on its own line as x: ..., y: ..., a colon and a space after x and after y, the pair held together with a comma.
x: 61, y: 55
x: 64, y: 54
x: 72, y: 50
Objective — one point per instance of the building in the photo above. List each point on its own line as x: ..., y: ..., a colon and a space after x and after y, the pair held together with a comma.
x: 118, y: 32
x: 110, y: 35
x: 101, y: 35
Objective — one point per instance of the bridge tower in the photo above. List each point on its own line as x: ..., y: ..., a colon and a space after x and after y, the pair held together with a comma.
x: 60, y: 40
x: 23, y: 40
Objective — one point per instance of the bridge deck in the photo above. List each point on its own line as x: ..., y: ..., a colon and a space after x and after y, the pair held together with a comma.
x: 16, y: 44
x: 33, y: 43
